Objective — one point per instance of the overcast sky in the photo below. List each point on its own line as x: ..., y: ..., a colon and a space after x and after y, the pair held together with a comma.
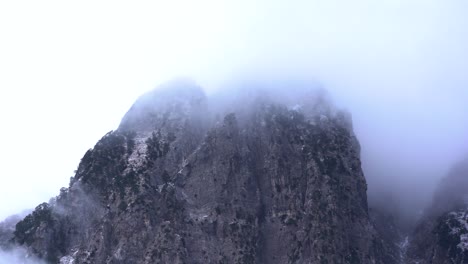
x: 70, y: 70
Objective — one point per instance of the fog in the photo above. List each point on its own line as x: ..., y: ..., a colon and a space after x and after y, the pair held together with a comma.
x: 69, y: 72
x: 17, y: 255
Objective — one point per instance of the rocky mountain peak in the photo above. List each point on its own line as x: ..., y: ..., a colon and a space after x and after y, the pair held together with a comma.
x: 188, y: 178
x: 173, y: 101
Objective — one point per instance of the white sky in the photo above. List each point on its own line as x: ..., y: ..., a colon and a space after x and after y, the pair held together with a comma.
x: 69, y: 70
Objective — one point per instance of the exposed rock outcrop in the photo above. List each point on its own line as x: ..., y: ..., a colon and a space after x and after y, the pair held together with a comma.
x: 442, y: 234
x: 262, y: 182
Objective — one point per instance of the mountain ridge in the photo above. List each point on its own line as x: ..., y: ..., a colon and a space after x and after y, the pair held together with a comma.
x: 178, y: 182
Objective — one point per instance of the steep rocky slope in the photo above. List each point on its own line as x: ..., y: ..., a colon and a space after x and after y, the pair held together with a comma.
x: 442, y: 234
x: 390, y: 232
x: 187, y: 180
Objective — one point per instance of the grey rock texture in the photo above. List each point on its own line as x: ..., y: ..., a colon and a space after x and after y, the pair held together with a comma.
x: 441, y: 237
x: 390, y: 233
x: 442, y: 240
x: 185, y: 180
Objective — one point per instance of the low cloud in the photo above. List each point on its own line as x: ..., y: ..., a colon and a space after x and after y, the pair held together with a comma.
x: 18, y: 256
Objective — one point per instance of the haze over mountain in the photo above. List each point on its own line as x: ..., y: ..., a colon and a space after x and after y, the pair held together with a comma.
x: 254, y: 175
x: 70, y: 71
x: 398, y: 66
x: 250, y: 176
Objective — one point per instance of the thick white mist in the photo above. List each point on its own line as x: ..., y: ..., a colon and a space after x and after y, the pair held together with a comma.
x: 18, y: 255
x: 69, y: 72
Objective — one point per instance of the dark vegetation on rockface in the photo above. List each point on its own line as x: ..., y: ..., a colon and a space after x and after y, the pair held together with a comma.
x: 245, y: 176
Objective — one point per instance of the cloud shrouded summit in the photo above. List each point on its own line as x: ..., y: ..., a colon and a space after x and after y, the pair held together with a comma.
x: 71, y: 70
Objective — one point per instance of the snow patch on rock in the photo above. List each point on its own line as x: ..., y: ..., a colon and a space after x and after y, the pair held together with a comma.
x: 69, y: 259
x: 403, y: 245
x: 461, y: 229
x: 139, y: 153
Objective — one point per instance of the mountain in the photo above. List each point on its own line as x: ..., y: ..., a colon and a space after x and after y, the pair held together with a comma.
x: 245, y: 176
x: 7, y: 227
x: 441, y: 237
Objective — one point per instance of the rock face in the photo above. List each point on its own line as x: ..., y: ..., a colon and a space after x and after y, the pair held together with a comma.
x: 442, y: 235
x: 442, y: 240
x: 390, y: 233
x: 261, y: 182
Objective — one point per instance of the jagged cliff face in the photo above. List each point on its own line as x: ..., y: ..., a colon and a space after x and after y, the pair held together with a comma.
x: 390, y: 233
x: 441, y: 240
x: 442, y: 234
x: 263, y: 182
